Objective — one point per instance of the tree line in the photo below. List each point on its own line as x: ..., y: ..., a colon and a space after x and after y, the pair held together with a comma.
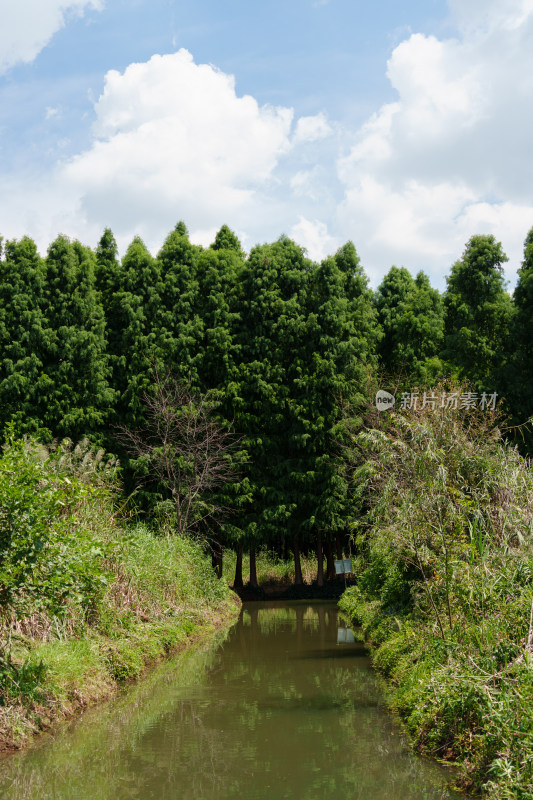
x: 286, y: 350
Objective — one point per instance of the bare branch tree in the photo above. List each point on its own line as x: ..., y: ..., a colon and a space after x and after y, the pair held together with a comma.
x: 185, y: 449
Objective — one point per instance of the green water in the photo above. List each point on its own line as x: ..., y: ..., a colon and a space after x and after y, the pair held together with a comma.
x: 280, y: 709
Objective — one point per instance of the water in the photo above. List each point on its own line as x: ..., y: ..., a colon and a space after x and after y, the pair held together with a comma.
x: 286, y: 707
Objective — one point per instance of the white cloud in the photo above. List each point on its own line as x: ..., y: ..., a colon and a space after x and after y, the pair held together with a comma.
x: 28, y: 25
x: 480, y: 16
x: 451, y: 156
x: 314, y: 237
x: 173, y: 140
x: 310, y: 129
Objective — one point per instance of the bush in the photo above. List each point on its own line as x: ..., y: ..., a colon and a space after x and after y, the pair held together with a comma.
x: 49, y: 561
x: 444, y: 589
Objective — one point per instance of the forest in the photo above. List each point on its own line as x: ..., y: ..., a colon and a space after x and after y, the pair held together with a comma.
x: 277, y: 353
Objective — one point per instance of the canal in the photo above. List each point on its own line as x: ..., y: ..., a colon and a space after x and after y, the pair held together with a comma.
x: 286, y: 705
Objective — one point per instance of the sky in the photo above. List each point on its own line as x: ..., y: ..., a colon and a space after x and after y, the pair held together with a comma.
x: 403, y: 127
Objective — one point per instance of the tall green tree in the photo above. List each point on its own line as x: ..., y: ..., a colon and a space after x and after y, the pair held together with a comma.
x: 270, y: 337
x: 76, y: 398
x: 338, y: 354
x: 517, y: 378
x: 478, y: 313
x: 133, y: 309
x: 23, y: 336
x: 411, y: 314
x: 179, y: 326
x: 215, y: 363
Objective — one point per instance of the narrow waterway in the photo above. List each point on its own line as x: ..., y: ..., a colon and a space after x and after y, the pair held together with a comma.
x: 286, y: 707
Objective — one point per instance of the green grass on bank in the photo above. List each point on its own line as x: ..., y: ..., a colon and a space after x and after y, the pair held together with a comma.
x: 85, y: 602
x: 445, y: 591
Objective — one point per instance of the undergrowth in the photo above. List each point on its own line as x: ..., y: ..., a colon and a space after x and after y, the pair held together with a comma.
x: 85, y: 600
x: 445, y: 588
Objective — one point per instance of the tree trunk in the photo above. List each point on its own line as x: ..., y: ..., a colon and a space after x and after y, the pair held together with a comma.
x: 330, y: 561
x: 320, y: 557
x: 286, y: 551
x: 237, y: 583
x: 338, y: 545
x: 253, y: 568
x: 298, y: 579
x: 216, y: 559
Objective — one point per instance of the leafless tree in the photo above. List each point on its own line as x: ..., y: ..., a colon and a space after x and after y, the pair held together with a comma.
x: 186, y: 449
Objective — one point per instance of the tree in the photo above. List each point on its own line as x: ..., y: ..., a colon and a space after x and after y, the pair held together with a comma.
x: 183, y: 450
x: 411, y: 314
x: 133, y: 308
x: 76, y: 398
x: 517, y: 379
x: 270, y: 339
x: 336, y: 357
x: 478, y: 313
x: 22, y: 335
x: 179, y: 328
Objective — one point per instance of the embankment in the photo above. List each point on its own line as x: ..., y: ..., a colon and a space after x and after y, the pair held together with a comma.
x: 86, y: 602
x: 444, y: 592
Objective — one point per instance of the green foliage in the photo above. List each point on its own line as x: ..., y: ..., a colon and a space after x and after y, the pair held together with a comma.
x: 411, y: 315
x: 75, y: 393
x: 445, y: 561
x: 478, y: 313
x: 517, y: 378
x: 48, y: 561
x: 84, y: 601
x: 226, y: 240
x: 23, y: 335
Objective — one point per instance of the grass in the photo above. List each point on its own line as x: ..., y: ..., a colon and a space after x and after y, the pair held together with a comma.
x: 97, y: 601
x: 444, y: 590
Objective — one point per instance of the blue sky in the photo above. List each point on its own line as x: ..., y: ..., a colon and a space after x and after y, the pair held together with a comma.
x: 402, y: 126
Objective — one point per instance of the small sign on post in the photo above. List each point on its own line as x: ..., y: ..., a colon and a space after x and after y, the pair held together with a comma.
x: 343, y: 565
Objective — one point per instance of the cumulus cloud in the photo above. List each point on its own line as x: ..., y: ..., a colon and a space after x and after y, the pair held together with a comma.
x: 28, y: 25
x: 450, y: 157
x: 311, y: 129
x: 314, y: 237
x: 173, y: 139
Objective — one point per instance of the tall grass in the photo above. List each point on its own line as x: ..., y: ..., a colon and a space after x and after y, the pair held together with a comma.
x: 85, y: 601
x: 444, y: 593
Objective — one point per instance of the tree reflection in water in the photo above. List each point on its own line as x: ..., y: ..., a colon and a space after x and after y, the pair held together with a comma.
x: 278, y: 710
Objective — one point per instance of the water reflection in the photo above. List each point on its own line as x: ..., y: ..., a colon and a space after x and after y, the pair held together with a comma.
x: 280, y: 710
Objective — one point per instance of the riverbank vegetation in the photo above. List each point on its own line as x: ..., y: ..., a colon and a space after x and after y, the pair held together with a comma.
x: 86, y: 602
x: 233, y: 390
x: 444, y: 589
